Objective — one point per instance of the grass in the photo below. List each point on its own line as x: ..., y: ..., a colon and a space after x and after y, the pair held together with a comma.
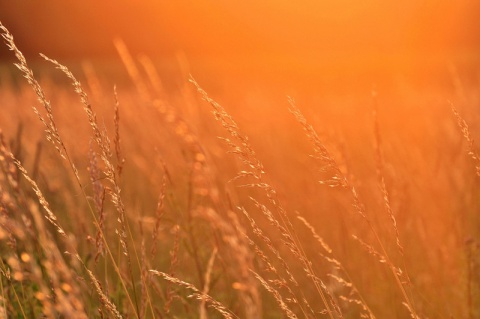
x: 123, y: 203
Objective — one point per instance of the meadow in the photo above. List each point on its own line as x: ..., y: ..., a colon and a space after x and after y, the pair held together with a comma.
x: 143, y: 196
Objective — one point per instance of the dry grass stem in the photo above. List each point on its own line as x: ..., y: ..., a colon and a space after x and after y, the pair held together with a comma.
x: 462, y: 124
x: 359, y: 207
x: 241, y: 147
x: 197, y: 294
x: 207, y: 280
x: 388, y: 226
x: 288, y: 312
x: 116, y: 140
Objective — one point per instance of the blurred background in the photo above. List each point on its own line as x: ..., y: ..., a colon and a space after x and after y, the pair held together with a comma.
x: 248, y: 55
x: 275, y: 39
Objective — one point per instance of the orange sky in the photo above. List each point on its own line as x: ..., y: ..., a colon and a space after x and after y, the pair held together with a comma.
x: 268, y: 31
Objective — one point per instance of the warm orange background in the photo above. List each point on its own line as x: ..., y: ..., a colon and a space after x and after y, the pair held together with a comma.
x: 309, y: 30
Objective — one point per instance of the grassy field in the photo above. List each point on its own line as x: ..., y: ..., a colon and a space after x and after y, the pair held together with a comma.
x: 123, y: 202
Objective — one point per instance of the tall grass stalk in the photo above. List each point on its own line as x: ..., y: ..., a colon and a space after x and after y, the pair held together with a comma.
x: 54, y: 137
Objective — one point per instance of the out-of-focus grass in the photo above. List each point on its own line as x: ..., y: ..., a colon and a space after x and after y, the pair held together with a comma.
x: 179, y: 189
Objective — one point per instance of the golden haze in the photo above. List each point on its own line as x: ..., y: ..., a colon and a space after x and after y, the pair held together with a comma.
x: 355, y: 198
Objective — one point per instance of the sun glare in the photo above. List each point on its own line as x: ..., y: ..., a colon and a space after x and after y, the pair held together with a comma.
x: 239, y: 159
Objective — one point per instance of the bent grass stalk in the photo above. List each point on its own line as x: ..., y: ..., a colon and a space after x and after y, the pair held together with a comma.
x: 54, y: 137
x: 462, y: 124
x: 340, y: 179
x: 197, y: 294
x: 272, y: 258
x: 336, y: 263
x: 380, y: 165
x: 241, y: 147
x: 103, y: 143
